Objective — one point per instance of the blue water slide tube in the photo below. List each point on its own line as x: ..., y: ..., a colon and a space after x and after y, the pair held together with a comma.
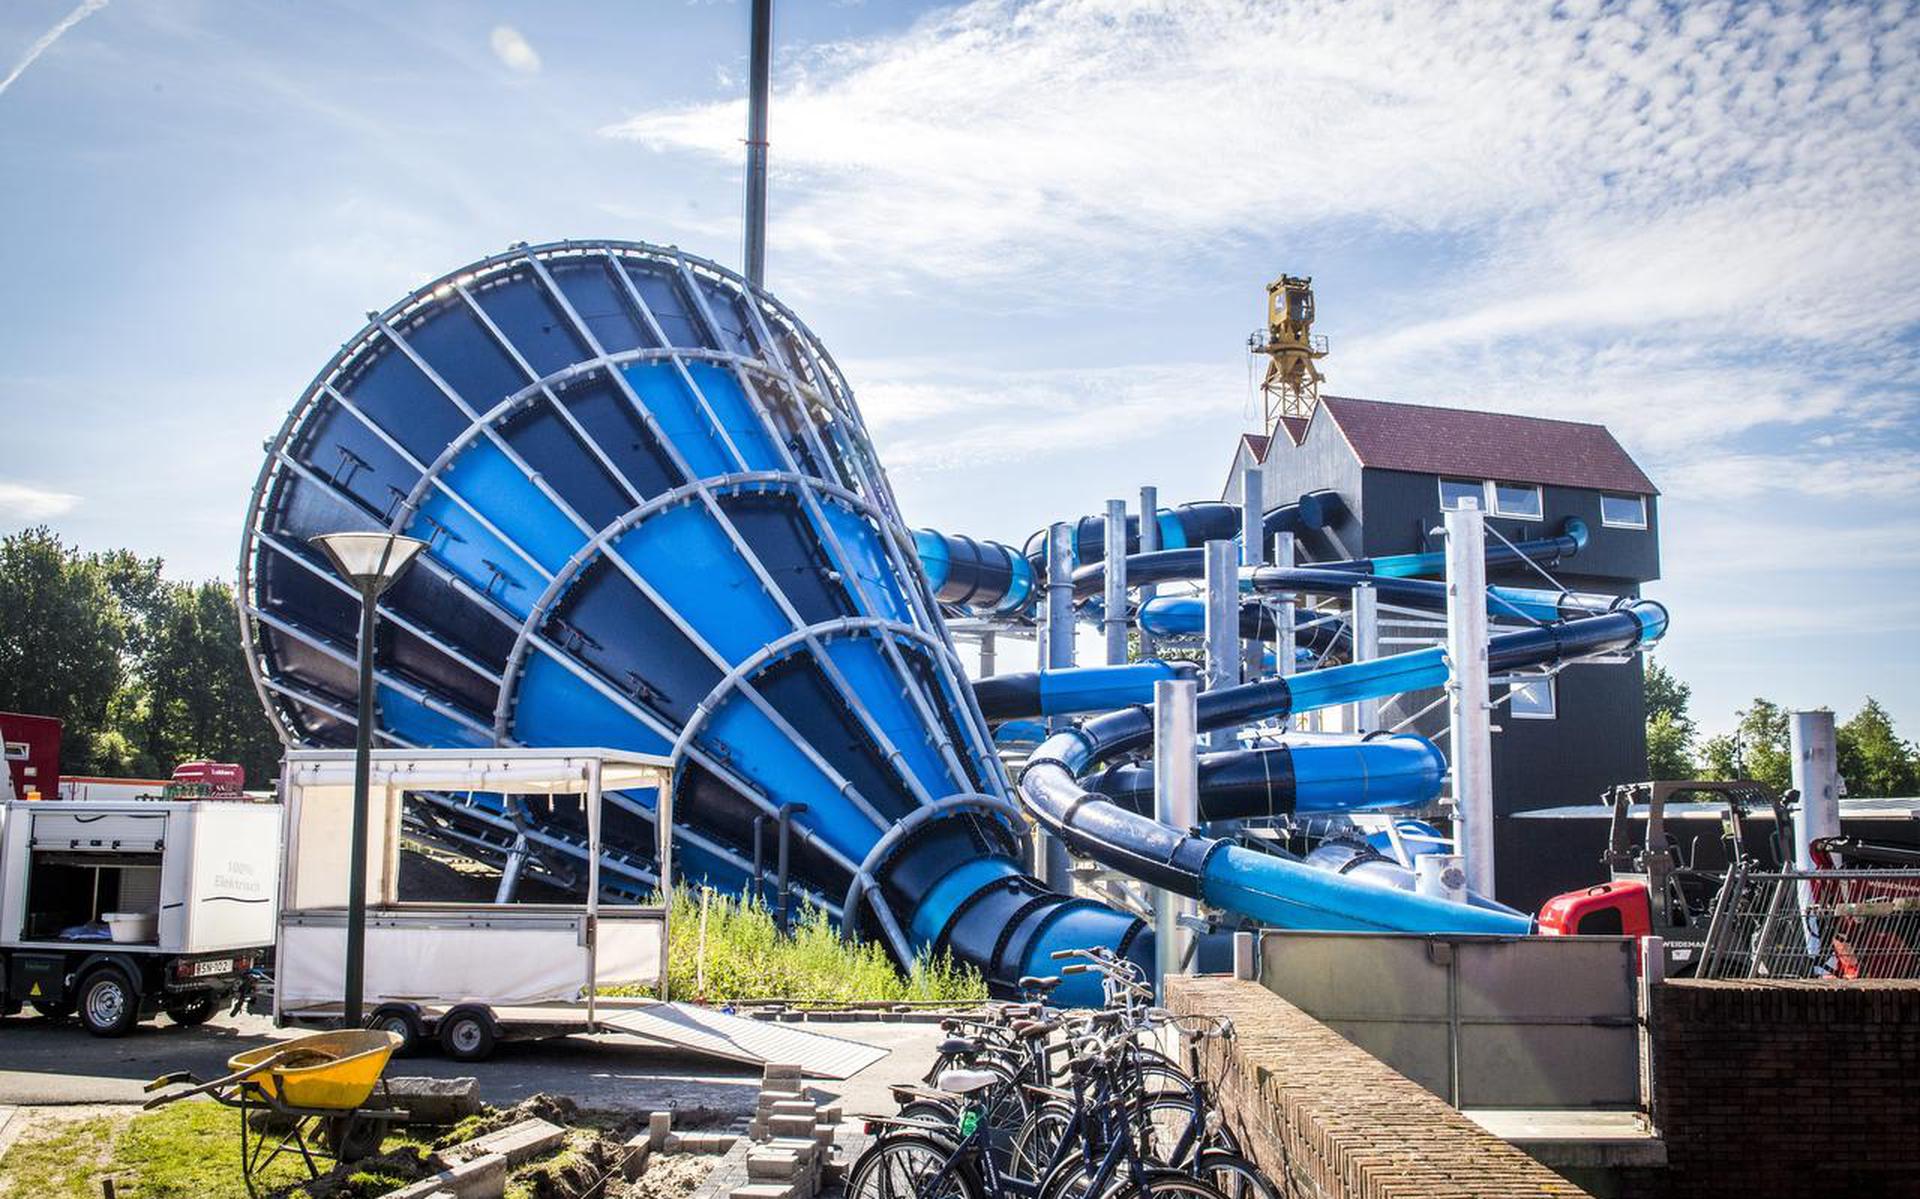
x: 984, y: 575
x: 655, y: 522
x: 1271, y: 889
x: 1176, y: 565
x: 1075, y: 690
x: 1180, y: 615
x: 1392, y: 771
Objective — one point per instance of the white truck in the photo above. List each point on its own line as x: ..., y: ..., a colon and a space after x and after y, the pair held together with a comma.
x: 116, y: 910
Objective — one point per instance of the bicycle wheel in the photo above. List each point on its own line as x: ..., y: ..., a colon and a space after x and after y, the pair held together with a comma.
x: 1037, y: 1144
x: 909, y: 1166
x: 1234, y: 1176
x: 1162, y: 1184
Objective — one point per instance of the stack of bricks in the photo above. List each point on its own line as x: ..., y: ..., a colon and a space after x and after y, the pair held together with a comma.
x: 793, y: 1139
x: 1323, y: 1117
x: 1787, y: 1087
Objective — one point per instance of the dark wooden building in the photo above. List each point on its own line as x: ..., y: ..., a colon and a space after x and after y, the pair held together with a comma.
x: 1396, y: 465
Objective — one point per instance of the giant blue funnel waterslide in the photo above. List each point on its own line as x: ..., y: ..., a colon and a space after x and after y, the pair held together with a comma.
x: 654, y: 522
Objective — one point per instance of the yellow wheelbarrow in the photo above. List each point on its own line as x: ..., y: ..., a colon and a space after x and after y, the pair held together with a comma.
x: 309, y: 1095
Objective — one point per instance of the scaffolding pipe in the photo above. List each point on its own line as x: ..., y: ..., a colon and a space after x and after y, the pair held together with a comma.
x: 1286, y: 639
x: 1253, y: 540
x: 1365, y: 639
x: 760, y: 61
x: 1469, y: 712
x: 1149, y: 543
x: 1223, y: 624
x: 1176, y: 802
x: 1116, y: 595
x: 1054, y: 866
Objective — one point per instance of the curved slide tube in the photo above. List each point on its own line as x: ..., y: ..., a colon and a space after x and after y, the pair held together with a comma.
x: 1073, y: 691
x: 1347, y: 775
x: 1264, y: 887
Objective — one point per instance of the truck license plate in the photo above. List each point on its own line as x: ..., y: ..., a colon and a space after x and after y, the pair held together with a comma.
x: 213, y: 966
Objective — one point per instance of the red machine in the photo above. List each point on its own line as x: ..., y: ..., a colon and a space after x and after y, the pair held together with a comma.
x: 33, y: 754
x: 214, y: 780
x: 1608, y: 910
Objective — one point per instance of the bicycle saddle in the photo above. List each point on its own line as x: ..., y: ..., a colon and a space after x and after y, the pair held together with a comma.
x: 958, y: 1047
x: 1044, y: 984
x: 966, y: 1082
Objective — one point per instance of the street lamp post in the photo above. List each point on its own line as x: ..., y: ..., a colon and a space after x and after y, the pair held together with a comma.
x: 371, y: 562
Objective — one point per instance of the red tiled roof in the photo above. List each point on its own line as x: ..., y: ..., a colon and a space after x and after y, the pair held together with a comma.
x: 1296, y: 427
x: 1257, y: 442
x: 1485, y: 445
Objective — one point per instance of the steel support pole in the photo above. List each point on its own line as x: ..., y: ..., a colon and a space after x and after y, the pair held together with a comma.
x: 1222, y: 623
x: 1055, y: 865
x: 1253, y: 540
x: 1816, y: 776
x: 1469, y: 713
x: 1176, y: 803
x: 364, y: 720
x: 989, y: 655
x: 1285, y: 640
x: 1364, y: 632
x: 759, y: 68
x: 1115, y: 617
x: 1149, y: 542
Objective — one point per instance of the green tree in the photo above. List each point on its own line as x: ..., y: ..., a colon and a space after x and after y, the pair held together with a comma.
x: 1756, y: 749
x: 1873, y: 759
x: 1670, y: 728
x: 61, y: 635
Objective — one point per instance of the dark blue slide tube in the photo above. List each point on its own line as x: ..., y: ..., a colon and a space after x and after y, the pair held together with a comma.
x: 1333, y: 776
x: 1072, y: 691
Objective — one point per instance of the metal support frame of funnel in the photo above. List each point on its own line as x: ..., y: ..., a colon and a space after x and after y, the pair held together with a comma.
x: 1469, y: 712
x: 1365, y: 638
x: 1176, y: 801
x: 1055, y: 864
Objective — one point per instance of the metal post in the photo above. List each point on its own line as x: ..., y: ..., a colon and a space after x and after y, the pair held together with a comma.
x: 1283, y: 615
x: 1253, y: 538
x: 783, y: 889
x: 1245, y: 965
x: 1468, y: 710
x: 1149, y: 542
x: 759, y: 860
x: 1222, y: 623
x: 1176, y: 804
x: 1816, y: 775
x: 759, y: 67
x: 594, y: 775
x: 1810, y: 739
x: 516, y: 863
x: 1116, y: 598
x: 364, y: 720
x: 989, y: 655
x: 1055, y: 864
x: 1364, y: 631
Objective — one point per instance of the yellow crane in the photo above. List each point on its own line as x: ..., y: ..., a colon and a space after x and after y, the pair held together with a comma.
x: 1292, y: 385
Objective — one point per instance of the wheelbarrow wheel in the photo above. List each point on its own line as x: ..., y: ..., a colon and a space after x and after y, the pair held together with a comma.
x: 352, y: 1137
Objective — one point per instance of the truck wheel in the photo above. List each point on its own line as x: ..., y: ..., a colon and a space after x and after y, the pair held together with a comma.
x: 194, y: 1012
x: 109, y: 1004
x: 401, y: 1020
x: 466, y: 1035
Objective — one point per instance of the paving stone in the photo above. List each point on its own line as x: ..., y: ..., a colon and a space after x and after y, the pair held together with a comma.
x: 517, y: 1143
x: 659, y: 1124
x: 433, y: 1100
x: 634, y: 1155
x: 481, y: 1178
x: 764, y: 1190
x: 791, y: 1126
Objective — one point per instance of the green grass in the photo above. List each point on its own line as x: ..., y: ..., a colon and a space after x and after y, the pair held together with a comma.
x: 184, y: 1151
x: 745, y: 957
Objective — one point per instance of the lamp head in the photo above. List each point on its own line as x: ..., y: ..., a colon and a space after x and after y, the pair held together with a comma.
x: 370, y: 561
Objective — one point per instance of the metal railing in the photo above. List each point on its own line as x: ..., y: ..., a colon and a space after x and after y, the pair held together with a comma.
x: 1815, y: 924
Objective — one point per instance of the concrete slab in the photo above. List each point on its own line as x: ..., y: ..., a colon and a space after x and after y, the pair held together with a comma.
x: 1563, y: 1139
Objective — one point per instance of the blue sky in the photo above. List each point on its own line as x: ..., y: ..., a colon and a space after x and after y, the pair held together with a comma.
x: 1036, y: 236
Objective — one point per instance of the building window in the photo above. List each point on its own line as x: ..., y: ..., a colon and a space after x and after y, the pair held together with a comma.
x: 1533, y: 699
x: 1452, y: 491
x: 1516, y: 499
x: 1623, y: 511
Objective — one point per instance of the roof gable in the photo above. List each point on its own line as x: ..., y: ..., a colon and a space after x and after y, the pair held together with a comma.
x: 1484, y: 445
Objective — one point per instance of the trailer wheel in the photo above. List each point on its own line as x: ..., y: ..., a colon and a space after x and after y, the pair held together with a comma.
x: 466, y: 1035
x: 109, y: 1004
x: 194, y: 1012
x: 401, y: 1019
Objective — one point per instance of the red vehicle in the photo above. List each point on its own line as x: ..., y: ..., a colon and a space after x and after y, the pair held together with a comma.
x: 33, y: 755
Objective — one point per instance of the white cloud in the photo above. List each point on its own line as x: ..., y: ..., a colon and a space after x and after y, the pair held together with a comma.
x: 513, y: 50
x: 45, y: 41
x: 24, y: 504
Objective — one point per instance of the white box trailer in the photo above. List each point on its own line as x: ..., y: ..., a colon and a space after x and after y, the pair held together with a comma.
x: 184, y: 891
x: 468, y: 975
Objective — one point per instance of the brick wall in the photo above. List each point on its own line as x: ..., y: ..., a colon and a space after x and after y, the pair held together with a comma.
x: 1327, y: 1120
x: 1787, y: 1088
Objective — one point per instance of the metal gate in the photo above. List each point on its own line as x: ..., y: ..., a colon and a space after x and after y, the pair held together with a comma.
x: 1815, y: 924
